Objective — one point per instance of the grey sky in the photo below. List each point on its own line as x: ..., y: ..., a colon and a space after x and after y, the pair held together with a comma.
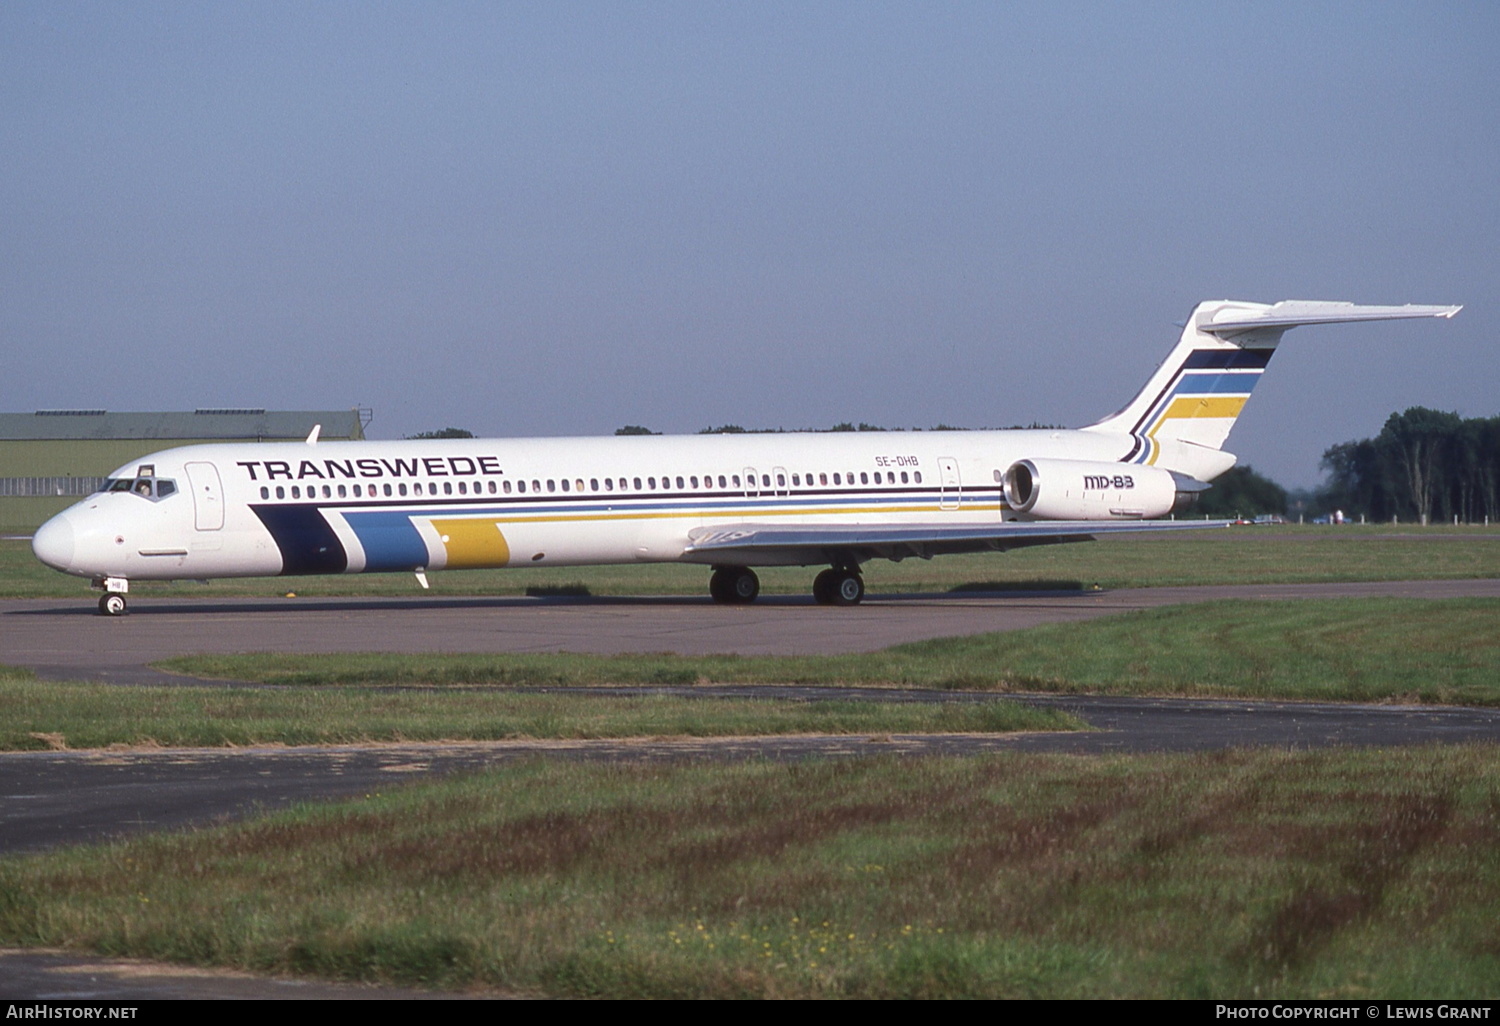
x: 560, y: 218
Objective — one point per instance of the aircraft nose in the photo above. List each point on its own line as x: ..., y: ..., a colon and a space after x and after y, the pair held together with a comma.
x: 53, y: 542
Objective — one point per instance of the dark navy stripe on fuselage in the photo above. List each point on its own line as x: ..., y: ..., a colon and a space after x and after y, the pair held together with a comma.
x: 308, y: 545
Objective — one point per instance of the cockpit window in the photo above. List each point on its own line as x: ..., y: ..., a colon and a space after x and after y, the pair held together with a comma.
x: 146, y: 487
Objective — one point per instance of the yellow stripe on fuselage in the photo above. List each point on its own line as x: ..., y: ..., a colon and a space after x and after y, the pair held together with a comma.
x: 473, y: 543
x: 627, y: 513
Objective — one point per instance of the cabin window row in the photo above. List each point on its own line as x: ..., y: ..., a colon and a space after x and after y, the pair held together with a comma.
x: 553, y: 485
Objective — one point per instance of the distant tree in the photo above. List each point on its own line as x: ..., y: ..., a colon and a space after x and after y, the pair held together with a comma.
x: 1424, y: 465
x: 1241, y: 492
x: 635, y: 429
x: 727, y: 429
x: 448, y: 432
x: 868, y: 427
x: 842, y: 426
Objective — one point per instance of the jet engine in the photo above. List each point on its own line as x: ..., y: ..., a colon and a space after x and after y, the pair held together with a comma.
x: 1083, y: 490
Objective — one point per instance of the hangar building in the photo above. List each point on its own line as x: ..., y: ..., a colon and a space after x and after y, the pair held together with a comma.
x: 51, y: 458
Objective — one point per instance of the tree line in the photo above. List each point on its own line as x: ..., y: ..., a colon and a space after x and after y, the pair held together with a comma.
x: 1424, y: 465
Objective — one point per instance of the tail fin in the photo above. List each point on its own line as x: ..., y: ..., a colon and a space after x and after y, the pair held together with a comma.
x: 1197, y: 393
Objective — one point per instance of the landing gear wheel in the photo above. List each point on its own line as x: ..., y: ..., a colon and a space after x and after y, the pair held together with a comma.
x: 735, y: 585
x: 112, y: 604
x: 848, y: 588
x: 823, y: 588
x: 838, y: 588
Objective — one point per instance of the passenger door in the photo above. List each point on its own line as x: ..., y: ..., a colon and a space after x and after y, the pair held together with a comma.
x: 208, y: 496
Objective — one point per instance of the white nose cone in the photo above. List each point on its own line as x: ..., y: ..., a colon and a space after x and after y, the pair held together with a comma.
x: 53, y: 543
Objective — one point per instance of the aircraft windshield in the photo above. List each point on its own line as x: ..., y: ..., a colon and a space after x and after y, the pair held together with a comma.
x: 147, y: 487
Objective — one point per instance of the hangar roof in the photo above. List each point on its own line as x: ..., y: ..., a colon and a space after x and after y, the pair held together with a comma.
x: 199, y: 425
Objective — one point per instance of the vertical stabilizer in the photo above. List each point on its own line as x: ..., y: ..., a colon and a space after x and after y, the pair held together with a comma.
x: 1195, y: 396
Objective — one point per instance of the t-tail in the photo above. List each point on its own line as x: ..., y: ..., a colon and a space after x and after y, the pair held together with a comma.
x: 1180, y: 420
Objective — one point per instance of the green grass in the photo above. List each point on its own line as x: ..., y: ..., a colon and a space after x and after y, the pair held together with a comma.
x: 36, y: 715
x: 1247, y: 555
x: 1418, y: 650
x: 1352, y: 874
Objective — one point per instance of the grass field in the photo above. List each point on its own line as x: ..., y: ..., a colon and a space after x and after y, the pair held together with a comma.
x: 1246, y: 555
x: 34, y: 716
x: 1413, y: 650
x: 1352, y: 874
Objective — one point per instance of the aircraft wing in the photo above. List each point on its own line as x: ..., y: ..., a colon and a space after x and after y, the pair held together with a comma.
x: 753, y: 544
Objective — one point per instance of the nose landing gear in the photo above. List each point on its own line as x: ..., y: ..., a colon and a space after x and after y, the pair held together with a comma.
x: 112, y: 602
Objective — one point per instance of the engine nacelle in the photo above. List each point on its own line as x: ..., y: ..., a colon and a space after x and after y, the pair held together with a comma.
x: 1083, y: 490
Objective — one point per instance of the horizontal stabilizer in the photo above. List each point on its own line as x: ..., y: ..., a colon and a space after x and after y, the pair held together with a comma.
x: 1289, y: 313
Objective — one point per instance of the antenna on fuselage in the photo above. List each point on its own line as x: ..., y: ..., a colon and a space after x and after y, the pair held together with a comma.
x: 312, y: 436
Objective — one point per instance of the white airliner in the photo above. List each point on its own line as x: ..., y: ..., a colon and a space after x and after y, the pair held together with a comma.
x: 726, y: 501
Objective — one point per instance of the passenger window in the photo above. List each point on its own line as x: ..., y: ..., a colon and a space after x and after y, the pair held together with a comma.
x: 651, y: 483
x: 637, y: 484
x: 736, y: 479
x: 344, y: 491
x: 507, y: 487
x: 693, y: 480
x: 780, y: 480
x: 903, y: 477
x: 358, y: 491
x: 917, y: 475
x: 280, y: 492
x: 679, y: 483
x: 721, y: 482
x: 796, y: 480
x: 265, y: 493
x: 463, y: 488
x: 494, y: 491
x: 836, y: 479
x: 609, y: 484
x: 593, y: 484
x: 536, y: 485
x: 447, y: 487
x: 864, y: 478
x: 296, y: 492
x: 551, y: 485
x: 387, y: 490
x: 521, y: 487
x: 565, y: 484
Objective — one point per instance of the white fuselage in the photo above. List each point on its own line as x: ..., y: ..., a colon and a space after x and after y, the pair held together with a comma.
x: 288, y: 508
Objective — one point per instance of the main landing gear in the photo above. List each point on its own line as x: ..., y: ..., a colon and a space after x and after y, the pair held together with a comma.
x: 734, y: 585
x: 836, y: 586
